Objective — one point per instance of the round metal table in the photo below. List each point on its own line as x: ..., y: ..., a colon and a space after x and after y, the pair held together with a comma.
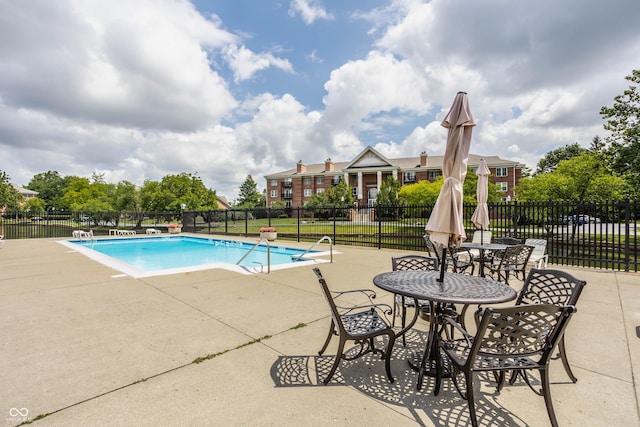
x: 455, y: 288
x: 482, y: 247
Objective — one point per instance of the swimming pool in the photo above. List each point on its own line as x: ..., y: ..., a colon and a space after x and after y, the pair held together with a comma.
x: 154, y: 256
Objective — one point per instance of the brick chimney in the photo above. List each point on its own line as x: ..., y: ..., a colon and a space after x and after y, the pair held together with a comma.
x: 328, y: 165
x: 424, y: 157
x: 301, y: 167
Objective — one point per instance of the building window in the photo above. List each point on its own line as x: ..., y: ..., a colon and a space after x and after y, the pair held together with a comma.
x: 307, y: 192
x: 503, y: 186
x: 274, y: 194
x: 306, y: 181
x: 274, y: 183
x: 320, y: 191
x: 433, y: 175
x: 501, y: 172
x: 320, y: 180
x: 410, y: 177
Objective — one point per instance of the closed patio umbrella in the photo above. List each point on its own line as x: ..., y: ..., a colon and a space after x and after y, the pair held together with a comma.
x: 480, y: 217
x: 445, y: 225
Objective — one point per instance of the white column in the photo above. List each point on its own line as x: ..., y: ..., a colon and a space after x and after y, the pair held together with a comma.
x: 379, y: 179
x: 395, y: 174
x: 359, y: 185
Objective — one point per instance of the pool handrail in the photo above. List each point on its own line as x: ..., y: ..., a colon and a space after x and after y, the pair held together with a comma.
x: 314, y: 245
x: 255, y: 246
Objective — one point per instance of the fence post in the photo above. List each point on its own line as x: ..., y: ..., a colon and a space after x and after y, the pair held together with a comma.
x: 379, y: 217
x: 298, y: 215
x: 627, y: 234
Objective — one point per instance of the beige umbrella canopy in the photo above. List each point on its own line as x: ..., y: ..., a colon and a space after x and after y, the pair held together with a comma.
x: 445, y: 225
x: 480, y: 217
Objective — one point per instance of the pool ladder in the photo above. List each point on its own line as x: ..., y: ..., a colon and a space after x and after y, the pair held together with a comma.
x: 268, y: 254
x: 316, y: 244
x: 293, y: 257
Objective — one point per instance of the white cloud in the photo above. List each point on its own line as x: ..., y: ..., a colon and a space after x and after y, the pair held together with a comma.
x: 245, y: 63
x: 309, y: 10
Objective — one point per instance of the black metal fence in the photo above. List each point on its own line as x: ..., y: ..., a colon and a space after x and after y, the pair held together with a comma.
x: 598, y: 235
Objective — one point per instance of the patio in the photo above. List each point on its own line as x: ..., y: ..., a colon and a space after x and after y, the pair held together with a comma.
x: 88, y: 346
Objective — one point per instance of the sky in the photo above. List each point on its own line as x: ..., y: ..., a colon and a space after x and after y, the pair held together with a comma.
x: 223, y: 89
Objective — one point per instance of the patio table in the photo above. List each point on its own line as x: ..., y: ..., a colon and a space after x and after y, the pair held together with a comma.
x: 482, y: 247
x: 455, y: 288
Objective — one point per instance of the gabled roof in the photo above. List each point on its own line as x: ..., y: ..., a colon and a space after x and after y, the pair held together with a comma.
x: 25, y: 192
x: 369, y: 158
x: 222, y: 203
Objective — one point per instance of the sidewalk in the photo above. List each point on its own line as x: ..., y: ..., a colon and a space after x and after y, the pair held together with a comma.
x: 90, y: 347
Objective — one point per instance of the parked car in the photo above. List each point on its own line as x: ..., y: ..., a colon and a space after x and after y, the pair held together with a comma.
x: 583, y: 219
x: 592, y: 219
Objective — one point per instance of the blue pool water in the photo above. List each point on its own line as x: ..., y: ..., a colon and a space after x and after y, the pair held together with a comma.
x: 151, y: 255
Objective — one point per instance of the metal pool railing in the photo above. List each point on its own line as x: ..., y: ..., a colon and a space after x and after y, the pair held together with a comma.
x: 253, y: 248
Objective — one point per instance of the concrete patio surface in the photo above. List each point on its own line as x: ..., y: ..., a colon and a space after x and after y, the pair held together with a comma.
x: 83, y: 345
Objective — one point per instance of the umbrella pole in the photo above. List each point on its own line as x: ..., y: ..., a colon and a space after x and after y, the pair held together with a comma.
x: 443, y: 267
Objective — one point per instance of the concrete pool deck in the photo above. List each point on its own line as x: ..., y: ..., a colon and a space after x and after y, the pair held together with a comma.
x: 89, y: 346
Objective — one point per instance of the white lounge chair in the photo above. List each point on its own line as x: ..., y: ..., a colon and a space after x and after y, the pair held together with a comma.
x: 538, y: 257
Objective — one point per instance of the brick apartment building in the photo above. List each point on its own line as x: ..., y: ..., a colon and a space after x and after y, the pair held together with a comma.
x: 369, y: 169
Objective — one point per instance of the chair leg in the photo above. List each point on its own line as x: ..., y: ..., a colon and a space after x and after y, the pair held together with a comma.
x: 404, y: 321
x: 387, y: 362
x: 565, y: 361
x: 470, y: 399
x: 326, y: 342
x: 336, y: 362
x: 546, y: 391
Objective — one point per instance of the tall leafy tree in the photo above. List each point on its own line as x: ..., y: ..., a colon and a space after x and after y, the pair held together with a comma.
x: 173, y: 191
x: 388, y: 194
x: 624, y: 142
x: 552, y: 159
x: 249, y: 196
x: 9, y: 196
x: 50, y: 187
x: 83, y: 196
x: 583, y: 177
x: 340, y: 195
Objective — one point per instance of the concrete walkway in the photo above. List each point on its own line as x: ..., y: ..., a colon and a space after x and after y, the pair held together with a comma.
x: 82, y: 345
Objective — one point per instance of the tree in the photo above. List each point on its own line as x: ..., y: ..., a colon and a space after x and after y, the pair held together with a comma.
x: 82, y: 196
x: 421, y: 193
x: 388, y: 194
x: 174, y: 191
x: 340, y: 195
x: 50, y: 187
x: 583, y: 177
x: 552, y: 159
x: 624, y: 142
x: 9, y: 196
x: 125, y: 197
x: 248, y: 196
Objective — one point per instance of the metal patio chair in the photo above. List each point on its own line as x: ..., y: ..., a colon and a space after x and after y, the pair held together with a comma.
x: 458, y: 260
x: 361, y: 324
x: 513, y: 339
x: 552, y: 287
x: 549, y: 287
x: 408, y: 263
x: 513, y: 261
